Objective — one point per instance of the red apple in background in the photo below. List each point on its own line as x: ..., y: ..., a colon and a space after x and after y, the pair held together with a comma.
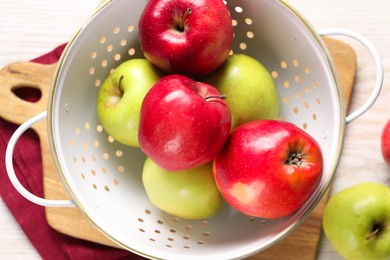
x: 268, y: 168
x: 183, y: 123
x: 189, y: 37
x: 386, y: 142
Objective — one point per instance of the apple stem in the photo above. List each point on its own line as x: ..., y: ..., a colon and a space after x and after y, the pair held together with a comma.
x: 295, y: 159
x: 376, y: 230
x: 374, y: 233
x: 183, y: 20
x: 223, y: 97
x: 119, y: 85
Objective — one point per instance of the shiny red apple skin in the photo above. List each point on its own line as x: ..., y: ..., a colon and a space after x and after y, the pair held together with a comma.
x: 183, y: 123
x: 253, y: 173
x: 195, y: 50
x: 385, y: 143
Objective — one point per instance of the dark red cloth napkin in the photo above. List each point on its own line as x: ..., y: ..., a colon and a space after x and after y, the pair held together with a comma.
x: 28, y: 166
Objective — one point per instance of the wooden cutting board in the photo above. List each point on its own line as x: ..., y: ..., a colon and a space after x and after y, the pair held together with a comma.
x: 300, y: 244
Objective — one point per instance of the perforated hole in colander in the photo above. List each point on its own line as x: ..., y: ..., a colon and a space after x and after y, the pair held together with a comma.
x: 299, y: 84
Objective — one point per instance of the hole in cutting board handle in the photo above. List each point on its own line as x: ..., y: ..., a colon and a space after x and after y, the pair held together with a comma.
x: 27, y: 93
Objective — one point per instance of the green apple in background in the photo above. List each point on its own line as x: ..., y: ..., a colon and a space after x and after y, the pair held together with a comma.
x: 120, y: 98
x: 189, y: 194
x: 356, y: 221
x: 249, y: 89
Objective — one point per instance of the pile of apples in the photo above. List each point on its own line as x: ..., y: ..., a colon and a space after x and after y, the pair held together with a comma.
x: 206, y: 119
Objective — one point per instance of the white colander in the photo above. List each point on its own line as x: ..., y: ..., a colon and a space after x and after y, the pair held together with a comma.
x: 103, y: 177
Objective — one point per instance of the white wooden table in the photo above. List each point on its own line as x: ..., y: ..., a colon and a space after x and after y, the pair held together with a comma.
x: 29, y: 28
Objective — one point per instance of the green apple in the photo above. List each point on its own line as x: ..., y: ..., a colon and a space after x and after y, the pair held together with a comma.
x: 188, y: 194
x: 249, y: 89
x: 120, y: 98
x: 356, y: 221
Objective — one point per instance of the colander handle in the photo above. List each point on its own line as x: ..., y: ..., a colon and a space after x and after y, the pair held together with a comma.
x: 11, y: 172
x: 378, y: 65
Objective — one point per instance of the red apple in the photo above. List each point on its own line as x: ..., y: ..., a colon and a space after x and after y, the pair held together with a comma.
x: 385, y: 140
x: 183, y: 123
x: 189, y: 37
x: 268, y: 168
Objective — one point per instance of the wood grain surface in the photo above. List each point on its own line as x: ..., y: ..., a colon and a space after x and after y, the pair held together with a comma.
x: 303, y: 241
